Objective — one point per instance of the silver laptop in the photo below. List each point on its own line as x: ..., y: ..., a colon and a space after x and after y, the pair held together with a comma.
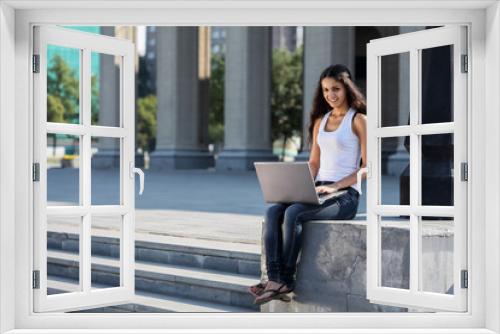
x: 289, y: 182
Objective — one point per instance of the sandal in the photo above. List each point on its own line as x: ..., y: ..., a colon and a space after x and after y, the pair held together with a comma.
x: 274, y: 294
x: 257, y: 289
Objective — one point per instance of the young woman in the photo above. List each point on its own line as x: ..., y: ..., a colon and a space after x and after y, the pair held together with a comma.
x: 337, y: 134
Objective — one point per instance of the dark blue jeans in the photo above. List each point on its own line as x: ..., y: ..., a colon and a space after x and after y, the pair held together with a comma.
x: 283, y: 230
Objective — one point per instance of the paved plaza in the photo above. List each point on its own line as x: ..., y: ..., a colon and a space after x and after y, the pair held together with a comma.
x: 201, y: 204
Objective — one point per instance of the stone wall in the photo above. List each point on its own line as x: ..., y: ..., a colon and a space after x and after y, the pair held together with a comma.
x: 331, y: 275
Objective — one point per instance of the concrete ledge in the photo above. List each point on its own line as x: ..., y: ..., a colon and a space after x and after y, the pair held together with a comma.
x: 331, y: 275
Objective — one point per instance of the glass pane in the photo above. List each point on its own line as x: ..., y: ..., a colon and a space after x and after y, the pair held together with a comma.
x: 395, y: 252
x: 106, y: 171
x: 105, y: 89
x: 437, y: 169
x: 63, y: 84
x: 395, y: 89
x: 437, y: 256
x: 63, y: 254
x: 63, y: 169
x: 106, y: 241
x: 437, y: 84
x: 395, y: 171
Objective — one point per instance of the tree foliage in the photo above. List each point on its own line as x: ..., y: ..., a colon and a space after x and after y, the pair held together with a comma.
x: 146, y: 123
x: 55, y: 109
x: 145, y: 84
x: 95, y: 102
x: 63, y: 92
x: 286, y: 95
x: 216, y: 108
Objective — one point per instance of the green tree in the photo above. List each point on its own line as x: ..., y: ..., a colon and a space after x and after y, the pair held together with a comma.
x: 216, y: 107
x: 55, y: 109
x: 286, y: 95
x: 95, y: 103
x: 145, y: 84
x: 146, y: 123
x: 63, y: 92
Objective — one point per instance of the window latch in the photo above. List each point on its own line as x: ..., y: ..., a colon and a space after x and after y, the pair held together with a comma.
x: 36, y: 279
x: 365, y: 170
x: 36, y: 172
x: 36, y: 63
x: 465, y: 65
x: 465, y: 279
x: 464, y: 171
x: 134, y: 171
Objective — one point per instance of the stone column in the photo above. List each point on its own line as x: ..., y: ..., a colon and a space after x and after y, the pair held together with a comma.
x: 204, y: 84
x: 398, y: 160
x: 247, y: 118
x: 396, y: 76
x: 392, y: 68
x: 323, y: 46
x: 178, y: 141
x: 108, y: 155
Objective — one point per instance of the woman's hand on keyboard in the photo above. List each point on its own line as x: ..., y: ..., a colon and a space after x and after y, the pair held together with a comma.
x: 326, y: 189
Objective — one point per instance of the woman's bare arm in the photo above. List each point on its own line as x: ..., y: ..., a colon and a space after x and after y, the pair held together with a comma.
x: 315, y: 151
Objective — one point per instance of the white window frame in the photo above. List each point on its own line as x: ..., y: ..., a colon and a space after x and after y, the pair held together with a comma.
x: 85, y: 43
x: 483, y: 18
x: 413, y: 44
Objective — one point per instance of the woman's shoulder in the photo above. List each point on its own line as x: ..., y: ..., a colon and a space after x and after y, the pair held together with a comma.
x: 320, y: 119
x: 358, y: 122
x: 317, y: 123
x: 357, y: 115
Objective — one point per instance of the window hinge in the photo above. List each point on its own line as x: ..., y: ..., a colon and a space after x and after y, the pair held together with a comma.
x: 465, y: 65
x: 36, y: 63
x: 36, y: 172
x: 465, y: 279
x: 36, y: 279
x: 464, y: 171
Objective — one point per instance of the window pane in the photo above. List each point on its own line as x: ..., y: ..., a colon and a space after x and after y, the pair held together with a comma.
x: 63, y: 169
x: 63, y: 254
x: 437, y: 84
x: 105, y: 79
x: 437, y: 256
x: 106, y: 241
x: 106, y: 171
x: 63, y: 84
x: 437, y: 169
x: 395, y: 89
x: 395, y: 171
x: 395, y: 252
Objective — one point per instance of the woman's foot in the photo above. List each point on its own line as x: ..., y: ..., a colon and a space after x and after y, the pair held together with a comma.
x: 257, y: 289
x: 272, y: 291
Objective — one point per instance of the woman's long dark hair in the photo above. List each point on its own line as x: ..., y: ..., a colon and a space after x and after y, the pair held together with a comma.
x: 320, y: 107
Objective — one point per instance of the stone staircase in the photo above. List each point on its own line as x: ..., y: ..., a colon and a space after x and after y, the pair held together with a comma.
x: 172, y: 274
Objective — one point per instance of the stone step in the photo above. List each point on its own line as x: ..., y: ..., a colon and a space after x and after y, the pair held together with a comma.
x: 222, y: 256
x: 145, y: 301
x: 203, y: 284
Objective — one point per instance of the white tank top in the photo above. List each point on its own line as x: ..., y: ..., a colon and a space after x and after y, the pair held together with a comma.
x: 340, y: 150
